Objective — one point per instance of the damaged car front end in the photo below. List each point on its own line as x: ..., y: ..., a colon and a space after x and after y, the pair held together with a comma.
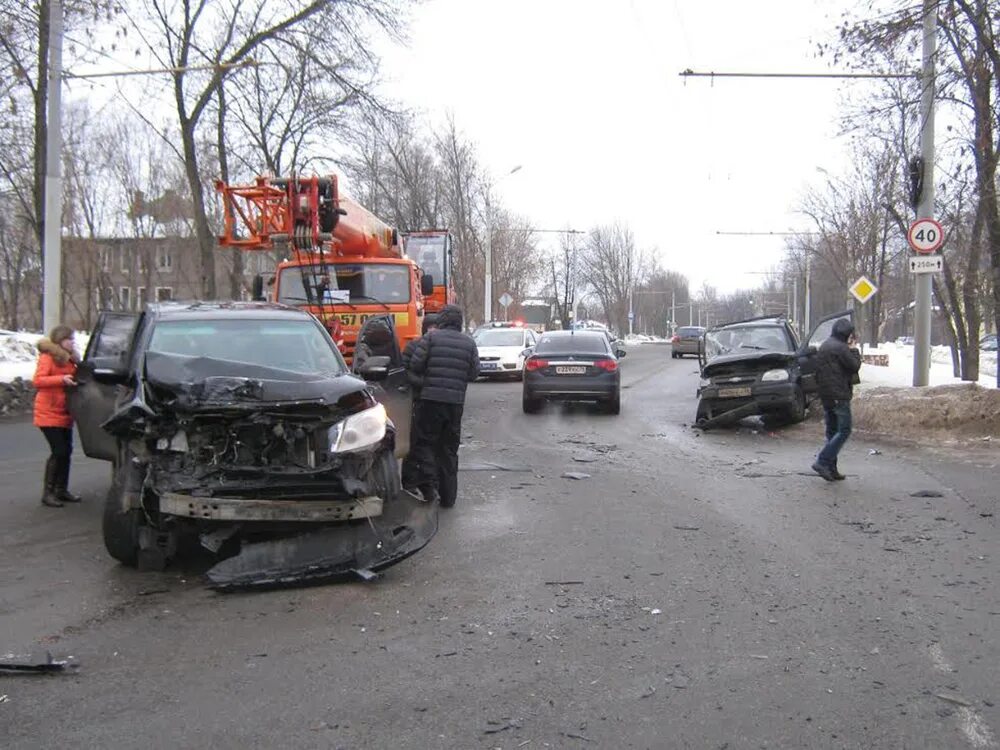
x: 285, y: 472
x: 758, y: 367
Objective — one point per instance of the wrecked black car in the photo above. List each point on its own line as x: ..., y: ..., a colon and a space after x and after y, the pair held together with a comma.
x: 239, y: 424
x: 758, y: 367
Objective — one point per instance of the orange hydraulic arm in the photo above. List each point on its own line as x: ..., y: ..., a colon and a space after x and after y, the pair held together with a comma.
x: 305, y: 212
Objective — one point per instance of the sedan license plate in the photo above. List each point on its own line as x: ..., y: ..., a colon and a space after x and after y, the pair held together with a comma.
x: 734, y: 392
x: 570, y: 370
x: 487, y: 365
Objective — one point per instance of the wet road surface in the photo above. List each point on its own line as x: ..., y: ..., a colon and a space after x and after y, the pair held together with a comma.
x: 692, y: 591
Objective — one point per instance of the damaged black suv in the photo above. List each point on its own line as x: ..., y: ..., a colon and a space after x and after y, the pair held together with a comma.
x: 758, y: 367
x: 240, y: 423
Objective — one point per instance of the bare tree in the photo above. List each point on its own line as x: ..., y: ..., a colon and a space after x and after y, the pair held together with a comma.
x: 613, y: 267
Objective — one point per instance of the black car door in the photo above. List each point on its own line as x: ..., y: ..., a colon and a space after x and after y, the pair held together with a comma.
x: 378, y: 360
x: 100, y: 377
x: 807, y: 354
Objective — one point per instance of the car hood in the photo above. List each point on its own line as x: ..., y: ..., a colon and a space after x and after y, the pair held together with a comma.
x: 500, y: 351
x: 207, y: 382
x: 747, y: 360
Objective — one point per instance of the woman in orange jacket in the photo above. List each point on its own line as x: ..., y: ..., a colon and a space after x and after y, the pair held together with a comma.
x: 55, y: 372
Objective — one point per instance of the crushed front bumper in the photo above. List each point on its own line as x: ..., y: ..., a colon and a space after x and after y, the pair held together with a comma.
x: 764, y: 398
x: 354, y: 548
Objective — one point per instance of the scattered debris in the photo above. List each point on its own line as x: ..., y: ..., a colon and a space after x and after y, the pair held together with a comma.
x: 926, y: 493
x: 758, y: 656
x: 874, y: 452
x: 687, y: 528
x: 35, y: 664
x: 495, y: 727
x: 574, y: 736
x: 958, y: 700
x: 150, y: 592
x: 4, y: 698
x: 650, y: 691
x: 585, y: 459
x: 575, y: 475
x: 564, y: 583
x: 656, y: 611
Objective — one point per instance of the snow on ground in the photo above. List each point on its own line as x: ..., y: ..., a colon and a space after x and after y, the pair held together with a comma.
x: 19, y: 353
x: 900, y: 370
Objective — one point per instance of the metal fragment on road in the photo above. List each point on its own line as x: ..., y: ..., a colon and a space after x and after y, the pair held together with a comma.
x: 955, y: 698
x: 35, y: 664
x: 927, y: 493
x: 575, y: 475
x: 687, y: 528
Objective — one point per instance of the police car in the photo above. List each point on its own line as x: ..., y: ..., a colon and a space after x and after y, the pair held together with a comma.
x: 502, y: 348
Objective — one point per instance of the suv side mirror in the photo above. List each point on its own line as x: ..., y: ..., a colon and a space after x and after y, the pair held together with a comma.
x: 527, y: 352
x: 375, y: 368
x: 619, y: 352
x: 427, y: 285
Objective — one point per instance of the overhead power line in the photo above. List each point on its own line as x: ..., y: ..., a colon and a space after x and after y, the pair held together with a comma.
x: 748, y: 74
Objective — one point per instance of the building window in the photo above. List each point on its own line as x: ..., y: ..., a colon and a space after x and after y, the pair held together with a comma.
x: 104, y: 259
x: 164, y: 294
x: 140, y: 298
x: 124, y: 299
x: 164, y: 260
x: 126, y: 260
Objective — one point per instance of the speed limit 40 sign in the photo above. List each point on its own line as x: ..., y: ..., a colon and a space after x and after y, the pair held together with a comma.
x: 925, y: 236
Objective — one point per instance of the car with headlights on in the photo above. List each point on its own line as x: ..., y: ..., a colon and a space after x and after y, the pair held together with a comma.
x: 240, y: 424
x: 576, y: 365
x: 758, y: 367
x: 502, y: 350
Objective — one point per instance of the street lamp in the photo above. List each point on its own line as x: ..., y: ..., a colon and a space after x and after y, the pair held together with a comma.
x: 488, y: 290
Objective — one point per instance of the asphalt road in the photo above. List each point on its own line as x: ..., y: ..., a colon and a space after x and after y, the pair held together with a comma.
x: 700, y: 591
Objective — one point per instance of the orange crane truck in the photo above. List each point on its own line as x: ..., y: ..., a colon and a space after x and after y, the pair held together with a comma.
x: 344, y: 264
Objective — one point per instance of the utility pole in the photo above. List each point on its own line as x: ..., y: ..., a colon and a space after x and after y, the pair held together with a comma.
x: 807, y: 317
x: 488, y: 288
x: 925, y: 208
x: 673, y: 311
x: 52, y: 239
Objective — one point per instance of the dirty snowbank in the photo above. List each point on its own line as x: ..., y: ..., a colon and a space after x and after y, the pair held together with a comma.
x: 958, y: 411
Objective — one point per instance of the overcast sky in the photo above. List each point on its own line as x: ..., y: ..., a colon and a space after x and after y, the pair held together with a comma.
x: 585, y: 96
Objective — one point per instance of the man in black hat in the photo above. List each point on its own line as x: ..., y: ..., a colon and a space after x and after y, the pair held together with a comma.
x: 442, y: 364
x: 837, y: 366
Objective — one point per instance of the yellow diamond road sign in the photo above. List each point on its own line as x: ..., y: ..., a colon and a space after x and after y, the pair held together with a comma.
x: 863, y: 290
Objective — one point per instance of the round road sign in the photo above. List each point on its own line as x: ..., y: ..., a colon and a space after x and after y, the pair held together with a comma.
x: 925, y: 236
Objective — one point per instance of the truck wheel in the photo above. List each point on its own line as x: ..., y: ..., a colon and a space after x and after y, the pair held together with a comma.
x: 120, y: 528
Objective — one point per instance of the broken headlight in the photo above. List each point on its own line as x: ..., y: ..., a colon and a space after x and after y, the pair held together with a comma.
x: 361, y: 430
x: 774, y: 376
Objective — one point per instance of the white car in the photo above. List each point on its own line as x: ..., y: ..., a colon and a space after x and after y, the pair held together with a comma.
x: 501, y: 350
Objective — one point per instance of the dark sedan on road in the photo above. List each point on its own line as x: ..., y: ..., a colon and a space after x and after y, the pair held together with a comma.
x: 575, y: 365
x: 687, y: 340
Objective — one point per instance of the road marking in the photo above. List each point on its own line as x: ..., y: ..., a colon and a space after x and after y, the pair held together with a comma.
x: 977, y: 732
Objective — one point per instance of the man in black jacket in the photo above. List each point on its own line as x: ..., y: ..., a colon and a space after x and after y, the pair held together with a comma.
x: 837, y: 366
x: 442, y: 363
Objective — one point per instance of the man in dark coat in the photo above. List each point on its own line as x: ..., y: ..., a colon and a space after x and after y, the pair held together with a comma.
x: 409, y: 468
x: 837, y: 366
x: 443, y: 363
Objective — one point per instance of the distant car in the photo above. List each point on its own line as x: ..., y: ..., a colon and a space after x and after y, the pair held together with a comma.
x: 758, y: 367
x: 576, y: 365
x: 905, y: 341
x: 687, y: 340
x: 988, y: 343
x: 502, y: 350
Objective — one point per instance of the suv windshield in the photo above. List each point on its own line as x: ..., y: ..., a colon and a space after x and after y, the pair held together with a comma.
x: 500, y: 337
x: 360, y: 283
x: 743, y: 339
x: 296, y: 345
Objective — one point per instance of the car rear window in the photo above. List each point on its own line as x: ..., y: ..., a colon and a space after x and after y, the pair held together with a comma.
x: 689, y: 332
x: 587, y: 343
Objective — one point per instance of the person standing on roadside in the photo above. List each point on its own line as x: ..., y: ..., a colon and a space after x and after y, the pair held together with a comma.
x: 409, y: 469
x: 837, y: 364
x: 443, y: 363
x: 54, y: 373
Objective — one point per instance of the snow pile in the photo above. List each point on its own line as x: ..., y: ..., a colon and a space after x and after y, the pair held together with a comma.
x: 900, y: 370
x: 965, y: 410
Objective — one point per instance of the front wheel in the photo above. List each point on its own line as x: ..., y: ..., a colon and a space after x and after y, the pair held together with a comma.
x: 120, y: 528
x: 797, y: 412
